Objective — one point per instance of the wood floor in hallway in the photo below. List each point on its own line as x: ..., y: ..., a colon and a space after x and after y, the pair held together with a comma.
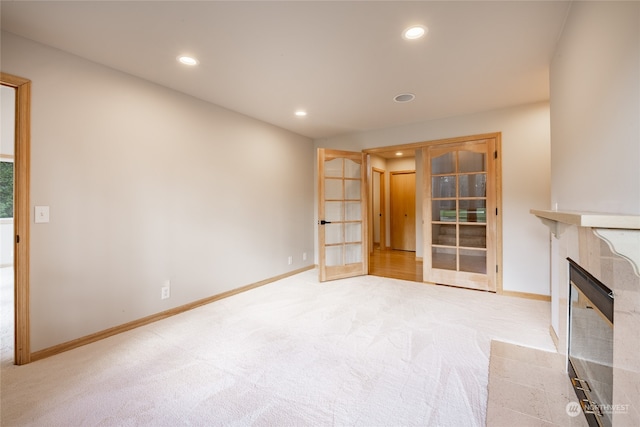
x: 395, y: 264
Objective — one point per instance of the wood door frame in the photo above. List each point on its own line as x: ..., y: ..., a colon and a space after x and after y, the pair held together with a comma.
x: 383, y: 212
x: 21, y: 215
x: 498, y: 170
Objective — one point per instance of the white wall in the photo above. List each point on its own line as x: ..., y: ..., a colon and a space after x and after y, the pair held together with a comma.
x: 147, y: 185
x: 595, y: 153
x: 595, y: 121
x: 595, y: 109
x: 525, y: 179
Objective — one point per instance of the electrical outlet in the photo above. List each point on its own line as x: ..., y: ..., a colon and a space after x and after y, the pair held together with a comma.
x: 304, y: 256
x: 41, y: 214
x: 290, y: 260
x: 165, y: 291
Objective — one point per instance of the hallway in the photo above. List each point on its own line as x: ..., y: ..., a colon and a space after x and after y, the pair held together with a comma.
x: 395, y: 264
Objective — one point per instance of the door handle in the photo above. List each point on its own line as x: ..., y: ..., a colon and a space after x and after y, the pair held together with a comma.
x: 323, y: 222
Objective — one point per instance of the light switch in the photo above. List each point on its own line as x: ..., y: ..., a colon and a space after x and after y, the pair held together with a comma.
x: 42, y: 214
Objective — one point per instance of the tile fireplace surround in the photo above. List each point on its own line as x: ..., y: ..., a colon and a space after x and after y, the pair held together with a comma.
x: 608, y: 246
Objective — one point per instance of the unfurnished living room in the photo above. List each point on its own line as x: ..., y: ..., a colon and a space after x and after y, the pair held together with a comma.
x: 320, y: 213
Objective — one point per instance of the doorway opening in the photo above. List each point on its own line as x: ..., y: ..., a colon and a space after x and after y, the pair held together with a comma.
x: 473, y: 207
x: 7, y: 143
x: 18, y: 238
x: 393, y: 252
x: 7, y: 330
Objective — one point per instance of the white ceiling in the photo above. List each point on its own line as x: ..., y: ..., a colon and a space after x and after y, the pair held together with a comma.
x: 341, y: 61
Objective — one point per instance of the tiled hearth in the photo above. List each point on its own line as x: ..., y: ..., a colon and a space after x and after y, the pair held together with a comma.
x: 529, y: 387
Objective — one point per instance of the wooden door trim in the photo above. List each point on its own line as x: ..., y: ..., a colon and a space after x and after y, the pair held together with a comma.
x: 419, y: 145
x: 498, y: 189
x: 21, y: 215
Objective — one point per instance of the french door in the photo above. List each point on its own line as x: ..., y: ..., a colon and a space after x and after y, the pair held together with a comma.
x: 342, y: 213
x: 460, y: 214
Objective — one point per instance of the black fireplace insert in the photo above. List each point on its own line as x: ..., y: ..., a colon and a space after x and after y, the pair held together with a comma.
x: 590, y: 364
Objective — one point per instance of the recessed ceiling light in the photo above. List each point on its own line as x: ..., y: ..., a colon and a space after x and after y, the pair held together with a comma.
x: 404, y: 97
x: 301, y: 113
x: 399, y: 153
x: 187, y: 60
x: 414, y: 32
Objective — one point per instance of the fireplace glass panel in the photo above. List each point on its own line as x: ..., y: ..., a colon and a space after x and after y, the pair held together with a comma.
x: 591, y: 352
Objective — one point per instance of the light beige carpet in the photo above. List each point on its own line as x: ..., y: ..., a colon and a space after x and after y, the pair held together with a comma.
x: 6, y: 316
x: 365, y: 351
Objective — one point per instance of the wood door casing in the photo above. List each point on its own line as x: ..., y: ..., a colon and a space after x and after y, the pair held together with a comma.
x: 403, y: 210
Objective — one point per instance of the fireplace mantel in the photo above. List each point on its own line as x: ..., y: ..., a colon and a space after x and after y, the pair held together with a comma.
x: 620, y: 232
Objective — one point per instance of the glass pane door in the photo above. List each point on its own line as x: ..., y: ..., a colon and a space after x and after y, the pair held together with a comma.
x: 341, y: 213
x: 458, y: 195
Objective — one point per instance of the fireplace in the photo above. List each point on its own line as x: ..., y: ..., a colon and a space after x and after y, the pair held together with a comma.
x: 607, y: 246
x: 590, y: 361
